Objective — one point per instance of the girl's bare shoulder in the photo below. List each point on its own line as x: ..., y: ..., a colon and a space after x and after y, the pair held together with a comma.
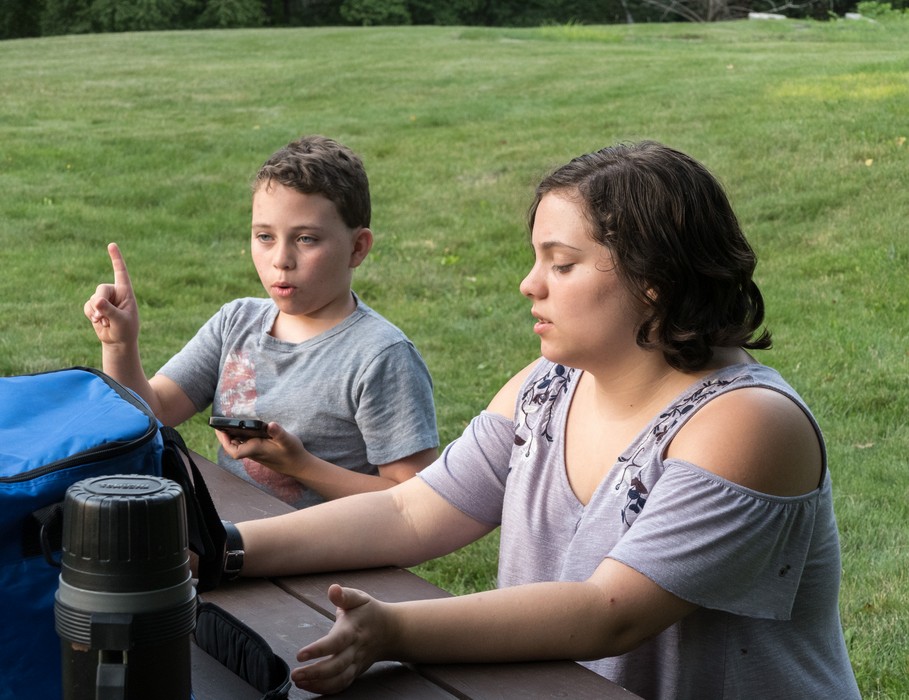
x: 504, y: 401
x: 756, y: 437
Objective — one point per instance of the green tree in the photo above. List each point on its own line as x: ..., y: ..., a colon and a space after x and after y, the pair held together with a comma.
x: 224, y: 14
x: 133, y: 15
x: 65, y: 17
x: 447, y: 12
x: 20, y: 18
x: 375, y: 12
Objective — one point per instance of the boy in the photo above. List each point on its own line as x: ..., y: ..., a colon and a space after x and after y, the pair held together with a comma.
x: 347, y: 396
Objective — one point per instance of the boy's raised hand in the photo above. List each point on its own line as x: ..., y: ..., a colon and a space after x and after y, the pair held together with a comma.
x: 112, y: 309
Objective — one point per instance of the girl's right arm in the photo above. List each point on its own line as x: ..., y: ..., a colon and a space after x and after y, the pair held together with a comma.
x: 401, y: 526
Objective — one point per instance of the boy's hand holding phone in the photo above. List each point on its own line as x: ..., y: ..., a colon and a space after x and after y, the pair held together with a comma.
x: 240, y: 428
x: 281, y: 452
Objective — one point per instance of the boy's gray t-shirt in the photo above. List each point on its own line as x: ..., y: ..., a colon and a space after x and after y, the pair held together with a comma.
x: 358, y: 395
x: 765, y: 570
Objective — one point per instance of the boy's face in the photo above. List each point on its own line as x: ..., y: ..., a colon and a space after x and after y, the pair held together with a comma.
x: 304, y: 252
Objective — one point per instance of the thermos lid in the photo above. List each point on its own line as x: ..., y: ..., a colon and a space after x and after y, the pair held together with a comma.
x: 124, y: 533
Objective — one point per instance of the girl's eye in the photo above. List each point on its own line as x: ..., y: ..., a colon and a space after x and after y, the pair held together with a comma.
x: 306, y: 240
x: 562, y: 268
x: 264, y: 237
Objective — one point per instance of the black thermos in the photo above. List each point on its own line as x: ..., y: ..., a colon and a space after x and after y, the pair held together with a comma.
x: 125, y: 607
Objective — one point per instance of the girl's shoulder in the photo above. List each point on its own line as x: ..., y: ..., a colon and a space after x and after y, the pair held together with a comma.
x: 540, y: 374
x: 755, y: 432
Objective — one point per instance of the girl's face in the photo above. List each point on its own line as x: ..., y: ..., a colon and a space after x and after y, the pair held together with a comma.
x: 584, y: 315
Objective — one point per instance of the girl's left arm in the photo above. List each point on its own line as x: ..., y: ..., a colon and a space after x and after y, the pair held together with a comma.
x: 611, y: 613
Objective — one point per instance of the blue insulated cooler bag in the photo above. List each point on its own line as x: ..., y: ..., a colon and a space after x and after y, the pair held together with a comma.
x: 57, y: 428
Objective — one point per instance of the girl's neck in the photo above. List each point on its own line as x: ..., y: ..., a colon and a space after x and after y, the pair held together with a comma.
x: 648, y: 383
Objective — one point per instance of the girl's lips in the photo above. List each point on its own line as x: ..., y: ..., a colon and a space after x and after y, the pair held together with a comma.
x: 283, y: 290
x: 540, y: 326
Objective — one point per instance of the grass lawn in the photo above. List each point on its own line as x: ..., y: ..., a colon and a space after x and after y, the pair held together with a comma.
x: 151, y: 139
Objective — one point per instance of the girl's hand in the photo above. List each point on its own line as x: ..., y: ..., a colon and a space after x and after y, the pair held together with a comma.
x: 358, y: 639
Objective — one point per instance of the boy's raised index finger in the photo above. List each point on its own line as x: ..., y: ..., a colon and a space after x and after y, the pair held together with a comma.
x: 121, y: 276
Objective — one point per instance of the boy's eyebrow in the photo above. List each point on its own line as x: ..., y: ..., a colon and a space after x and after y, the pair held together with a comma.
x: 293, y: 229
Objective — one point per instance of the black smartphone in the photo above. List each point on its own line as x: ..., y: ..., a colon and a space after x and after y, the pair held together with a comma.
x: 240, y: 428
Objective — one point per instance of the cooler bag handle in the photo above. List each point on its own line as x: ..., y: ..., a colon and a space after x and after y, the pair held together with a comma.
x: 207, y: 537
x: 42, y: 533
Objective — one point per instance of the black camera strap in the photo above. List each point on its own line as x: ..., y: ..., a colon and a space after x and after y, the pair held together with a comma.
x: 242, y: 650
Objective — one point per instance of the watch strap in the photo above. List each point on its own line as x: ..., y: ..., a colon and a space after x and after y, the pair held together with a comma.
x: 234, y: 552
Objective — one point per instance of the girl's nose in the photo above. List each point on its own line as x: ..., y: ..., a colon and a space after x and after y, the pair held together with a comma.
x: 530, y: 286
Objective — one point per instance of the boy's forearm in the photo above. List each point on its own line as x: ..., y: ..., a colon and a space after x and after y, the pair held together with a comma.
x: 125, y: 365
x: 331, y: 481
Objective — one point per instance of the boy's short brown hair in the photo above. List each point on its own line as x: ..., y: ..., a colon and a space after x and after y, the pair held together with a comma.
x: 320, y: 165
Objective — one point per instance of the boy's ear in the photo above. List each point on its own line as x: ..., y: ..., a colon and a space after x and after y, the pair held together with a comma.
x: 362, y: 244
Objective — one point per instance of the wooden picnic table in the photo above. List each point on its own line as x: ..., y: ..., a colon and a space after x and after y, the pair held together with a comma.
x: 289, y: 612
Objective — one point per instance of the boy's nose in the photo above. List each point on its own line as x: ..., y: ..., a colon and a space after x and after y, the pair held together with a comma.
x: 284, y: 258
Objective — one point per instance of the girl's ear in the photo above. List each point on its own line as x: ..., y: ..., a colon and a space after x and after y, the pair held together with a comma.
x: 362, y: 244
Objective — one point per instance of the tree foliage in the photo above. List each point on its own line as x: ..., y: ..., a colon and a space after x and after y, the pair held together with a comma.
x: 226, y: 14
x: 375, y: 12
x: 23, y: 18
x: 135, y: 16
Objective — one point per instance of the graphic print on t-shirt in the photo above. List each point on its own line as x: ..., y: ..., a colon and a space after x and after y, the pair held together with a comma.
x: 238, y: 398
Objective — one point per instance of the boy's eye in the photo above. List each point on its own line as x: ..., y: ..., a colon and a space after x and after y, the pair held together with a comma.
x: 306, y: 240
x: 562, y: 268
x: 260, y: 236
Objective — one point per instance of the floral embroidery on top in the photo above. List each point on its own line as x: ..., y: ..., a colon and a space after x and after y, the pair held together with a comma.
x: 536, y: 406
x: 670, y: 418
x: 636, y: 494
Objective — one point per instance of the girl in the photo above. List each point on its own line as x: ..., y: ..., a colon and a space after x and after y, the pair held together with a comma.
x: 664, y: 500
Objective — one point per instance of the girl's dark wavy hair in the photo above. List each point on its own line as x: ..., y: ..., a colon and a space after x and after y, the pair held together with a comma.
x: 677, y: 245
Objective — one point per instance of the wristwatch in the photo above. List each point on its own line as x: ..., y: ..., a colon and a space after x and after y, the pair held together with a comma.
x: 233, y: 554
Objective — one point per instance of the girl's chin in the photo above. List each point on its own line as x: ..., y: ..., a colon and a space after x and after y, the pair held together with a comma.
x: 555, y: 354
x: 551, y: 354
